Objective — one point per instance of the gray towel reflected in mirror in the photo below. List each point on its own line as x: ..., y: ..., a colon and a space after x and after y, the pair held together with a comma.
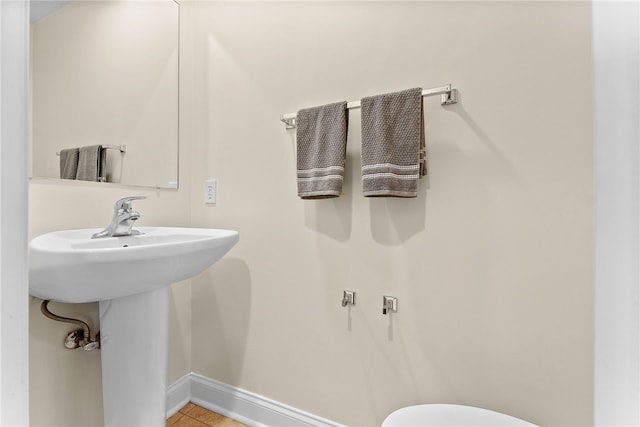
x: 69, y: 163
x: 85, y: 163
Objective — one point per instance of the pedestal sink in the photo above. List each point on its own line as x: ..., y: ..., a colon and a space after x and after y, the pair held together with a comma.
x: 129, y: 277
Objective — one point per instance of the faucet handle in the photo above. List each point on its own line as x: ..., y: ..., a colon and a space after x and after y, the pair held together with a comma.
x: 125, y: 203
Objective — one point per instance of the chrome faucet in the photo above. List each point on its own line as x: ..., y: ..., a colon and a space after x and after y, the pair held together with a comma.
x: 123, y: 219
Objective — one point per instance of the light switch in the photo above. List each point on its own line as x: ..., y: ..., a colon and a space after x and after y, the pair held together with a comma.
x: 210, y: 191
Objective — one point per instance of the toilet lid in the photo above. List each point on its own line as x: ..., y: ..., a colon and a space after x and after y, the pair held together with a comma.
x: 449, y: 416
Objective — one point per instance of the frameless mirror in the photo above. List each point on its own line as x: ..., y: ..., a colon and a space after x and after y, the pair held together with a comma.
x: 105, y: 73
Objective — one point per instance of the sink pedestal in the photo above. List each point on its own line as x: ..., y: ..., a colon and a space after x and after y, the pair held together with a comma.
x: 134, y: 345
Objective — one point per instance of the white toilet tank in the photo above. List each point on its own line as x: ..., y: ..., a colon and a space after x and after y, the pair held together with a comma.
x: 442, y: 415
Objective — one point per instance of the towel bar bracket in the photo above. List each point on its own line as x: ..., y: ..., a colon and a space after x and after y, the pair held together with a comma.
x: 448, y: 96
x: 289, y: 122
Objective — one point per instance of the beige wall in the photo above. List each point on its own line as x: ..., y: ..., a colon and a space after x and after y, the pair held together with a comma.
x: 492, y: 263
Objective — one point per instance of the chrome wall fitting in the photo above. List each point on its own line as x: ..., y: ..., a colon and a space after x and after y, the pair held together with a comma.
x: 73, y: 339
x: 450, y: 97
x: 389, y: 304
x: 348, y: 298
x: 289, y: 120
x: 77, y: 338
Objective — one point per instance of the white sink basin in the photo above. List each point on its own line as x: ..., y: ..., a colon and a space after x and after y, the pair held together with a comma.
x: 69, y: 266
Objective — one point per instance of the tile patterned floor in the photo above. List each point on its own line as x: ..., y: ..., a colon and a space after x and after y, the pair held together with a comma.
x: 196, y: 416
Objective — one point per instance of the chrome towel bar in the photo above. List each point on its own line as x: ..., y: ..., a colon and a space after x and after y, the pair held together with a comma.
x: 122, y: 148
x: 449, y: 95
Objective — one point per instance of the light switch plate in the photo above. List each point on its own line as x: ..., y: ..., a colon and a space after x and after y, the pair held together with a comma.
x: 210, y: 191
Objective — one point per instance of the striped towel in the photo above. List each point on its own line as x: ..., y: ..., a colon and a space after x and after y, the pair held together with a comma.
x: 91, y: 163
x: 321, y: 137
x: 393, y: 150
x: 69, y: 163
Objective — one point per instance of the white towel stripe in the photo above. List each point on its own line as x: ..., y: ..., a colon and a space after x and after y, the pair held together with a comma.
x: 388, y: 175
x: 320, y: 178
x: 390, y: 166
x: 334, y: 169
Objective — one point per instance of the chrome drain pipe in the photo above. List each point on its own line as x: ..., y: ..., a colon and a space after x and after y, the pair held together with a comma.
x: 77, y: 338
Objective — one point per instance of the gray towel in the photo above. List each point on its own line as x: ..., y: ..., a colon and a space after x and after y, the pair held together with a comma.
x: 91, y: 163
x: 321, y: 137
x: 393, y: 151
x: 69, y: 163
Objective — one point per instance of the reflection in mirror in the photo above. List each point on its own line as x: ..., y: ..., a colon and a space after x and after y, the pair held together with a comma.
x: 104, y: 92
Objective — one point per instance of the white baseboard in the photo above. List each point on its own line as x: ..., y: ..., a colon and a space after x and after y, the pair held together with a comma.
x: 244, y: 406
x: 178, y: 395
